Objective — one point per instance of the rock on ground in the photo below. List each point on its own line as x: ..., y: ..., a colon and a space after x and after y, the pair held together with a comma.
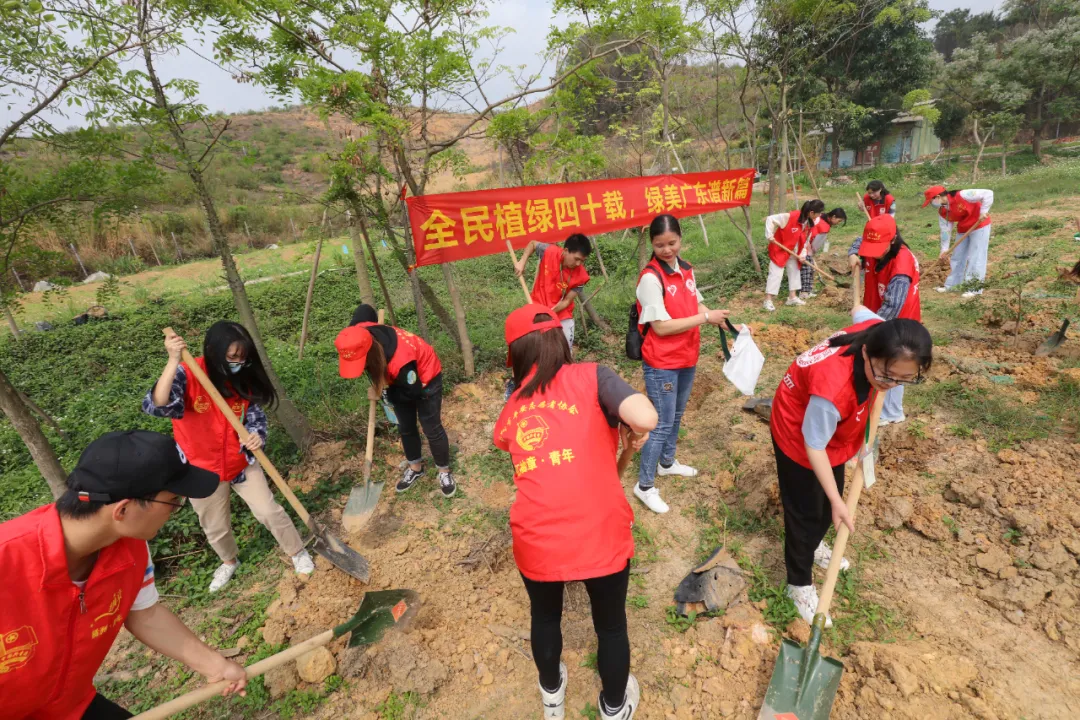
x: 316, y: 666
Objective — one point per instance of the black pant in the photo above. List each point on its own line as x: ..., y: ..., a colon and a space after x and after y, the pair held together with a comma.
x: 101, y: 708
x: 429, y: 410
x: 807, y: 514
x: 607, y: 595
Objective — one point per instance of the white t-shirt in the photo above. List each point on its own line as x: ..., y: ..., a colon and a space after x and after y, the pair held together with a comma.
x: 148, y: 593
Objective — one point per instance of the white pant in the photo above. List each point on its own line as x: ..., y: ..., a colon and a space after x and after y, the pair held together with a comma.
x: 568, y: 331
x: 776, y: 275
x: 968, y: 261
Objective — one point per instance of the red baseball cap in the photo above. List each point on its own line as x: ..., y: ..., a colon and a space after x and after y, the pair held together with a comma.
x: 877, y: 235
x: 931, y: 193
x: 352, y: 345
x: 523, y: 321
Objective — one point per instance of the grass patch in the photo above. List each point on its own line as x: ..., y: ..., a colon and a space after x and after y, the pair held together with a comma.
x: 396, y: 706
x: 855, y: 617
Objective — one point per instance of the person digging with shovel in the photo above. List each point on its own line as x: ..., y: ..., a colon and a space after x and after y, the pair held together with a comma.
x: 412, y: 373
x: 818, y: 242
x: 891, y: 289
x: 204, y: 435
x: 570, y: 519
x: 968, y: 212
x: 77, y: 570
x: 819, y: 415
x: 788, y: 230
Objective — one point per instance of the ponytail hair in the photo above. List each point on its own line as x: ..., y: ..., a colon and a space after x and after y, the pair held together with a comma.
x: 808, y: 207
x: 664, y: 224
x: 877, y: 186
x: 898, y: 339
x: 839, y: 214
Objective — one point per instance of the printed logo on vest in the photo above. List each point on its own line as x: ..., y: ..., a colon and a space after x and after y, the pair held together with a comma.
x: 16, y: 648
x: 180, y: 452
x: 532, y: 432
x: 411, y: 378
x: 821, y: 351
x: 673, y: 289
x: 881, y: 289
x: 202, y: 403
x: 113, y: 612
x: 691, y: 285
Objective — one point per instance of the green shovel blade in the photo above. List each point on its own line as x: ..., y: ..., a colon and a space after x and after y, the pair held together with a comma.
x: 380, y: 611
x: 803, y: 684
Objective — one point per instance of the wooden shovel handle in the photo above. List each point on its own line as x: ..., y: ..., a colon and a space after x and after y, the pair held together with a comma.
x: 948, y: 253
x: 856, y: 285
x: 862, y: 204
x: 238, y: 426
x: 193, y: 698
x: 524, y: 287
x: 840, y: 544
x: 795, y: 255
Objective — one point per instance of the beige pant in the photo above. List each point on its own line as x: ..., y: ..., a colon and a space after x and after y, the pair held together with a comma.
x: 214, y: 514
x: 776, y: 276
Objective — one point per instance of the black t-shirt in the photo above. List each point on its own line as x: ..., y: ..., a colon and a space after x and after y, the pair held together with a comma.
x: 611, y: 390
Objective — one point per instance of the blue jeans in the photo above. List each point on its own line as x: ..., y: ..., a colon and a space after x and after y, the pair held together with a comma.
x: 668, y: 390
x: 893, y: 409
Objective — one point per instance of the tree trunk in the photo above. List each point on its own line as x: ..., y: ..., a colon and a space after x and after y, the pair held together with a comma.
x: 783, y: 147
x: 1036, y: 137
x: 1004, y: 152
x: 459, y: 315
x: 363, y: 279
x: 772, y: 175
x: 414, y: 279
x: 595, y: 317
x: 982, y: 146
x: 378, y: 272
x: 40, y: 450
x: 834, y: 159
x: 11, y: 323
x: 426, y: 293
x: 644, y: 252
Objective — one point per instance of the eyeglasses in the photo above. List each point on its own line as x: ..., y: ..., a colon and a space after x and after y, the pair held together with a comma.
x: 175, y: 505
x: 897, y: 381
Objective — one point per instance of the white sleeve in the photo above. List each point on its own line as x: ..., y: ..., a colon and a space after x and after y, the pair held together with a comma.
x: 892, y: 209
x: 774, y: 223
x: 651, y: 296
x: 148, y: 593
x: 983, y: 197
x: 946, y: 228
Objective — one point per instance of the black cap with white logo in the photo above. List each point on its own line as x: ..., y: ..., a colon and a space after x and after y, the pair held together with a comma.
x: 136, y: 464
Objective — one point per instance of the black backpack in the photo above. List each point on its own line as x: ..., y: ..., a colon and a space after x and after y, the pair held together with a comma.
x: 635, y: 334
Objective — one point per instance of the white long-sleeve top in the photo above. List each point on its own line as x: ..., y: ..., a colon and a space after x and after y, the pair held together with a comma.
x: 775, y: 222
x: 984, y: 197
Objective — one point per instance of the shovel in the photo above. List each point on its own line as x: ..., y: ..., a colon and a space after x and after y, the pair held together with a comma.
x: 1053, y: 341
x: 331, y: 548
x: 804, y: 683
x: 362, y: 500
x: 817, y: 268
x: 378, y: 612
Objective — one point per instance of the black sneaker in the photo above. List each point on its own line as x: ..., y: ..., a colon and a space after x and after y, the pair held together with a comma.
x: 409, y: 478
x: 447, y: 484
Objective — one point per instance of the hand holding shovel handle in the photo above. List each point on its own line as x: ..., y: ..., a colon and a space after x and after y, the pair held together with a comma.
x: 795, y: 255
x: 948, y: 253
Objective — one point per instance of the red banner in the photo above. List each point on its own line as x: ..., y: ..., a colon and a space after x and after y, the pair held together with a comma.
x: 458, y: 226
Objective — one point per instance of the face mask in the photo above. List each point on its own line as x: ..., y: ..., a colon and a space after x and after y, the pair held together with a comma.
x: 235, y: 367
x: 936, y: 203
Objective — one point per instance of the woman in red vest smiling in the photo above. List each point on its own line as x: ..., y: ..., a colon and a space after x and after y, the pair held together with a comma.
x: 411, y: 372
x: 570, y: 519
x: 671, y: 312
x: 790, y: 230
x: 208, y: 440
x: 878, y: 200
x: 891, y: 289
x: 964, y: 211
x: 819, y: 415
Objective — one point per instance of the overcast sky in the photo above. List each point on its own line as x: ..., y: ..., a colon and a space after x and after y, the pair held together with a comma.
x: 529, y: 18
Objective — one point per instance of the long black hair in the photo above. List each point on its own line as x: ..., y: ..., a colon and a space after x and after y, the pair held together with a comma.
x: 251, y: 383
x: 897, y: 339
x: 878, y: 186
x: 894, y: 249
x: 808, y: 207
x: 837, y: 213
x: 664, y: 224
x: 546, y: 350
x: 364, y: 313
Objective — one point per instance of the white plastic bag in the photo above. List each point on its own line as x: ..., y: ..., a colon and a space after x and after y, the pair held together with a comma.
x: 745, y: 364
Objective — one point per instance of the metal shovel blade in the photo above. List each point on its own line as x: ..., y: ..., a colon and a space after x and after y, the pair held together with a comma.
x: 1052, y: 342
x: 803, y: 684
x: 362, y: 502
x: 338, y: 553
x: 379, y: 611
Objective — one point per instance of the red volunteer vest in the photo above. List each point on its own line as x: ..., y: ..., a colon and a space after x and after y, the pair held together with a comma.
x: 821, y: 227
x: 791, y: 236
x: 410, y: 348
x: 673, y: 352
x: 827, y: 372
x: 876, y: 208
x: 53, y: 638
x: 876, y: 282
x: 570, y: 519
x: 205, y: 435
x: 965, y: 214
x: 553, y: 281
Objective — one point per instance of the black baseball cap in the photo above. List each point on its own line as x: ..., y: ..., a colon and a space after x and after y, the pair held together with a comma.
x: 134, y: 464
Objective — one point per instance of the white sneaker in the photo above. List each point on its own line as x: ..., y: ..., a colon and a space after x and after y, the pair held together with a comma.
x: 302, y: 563
x: 768, y: 305
x: 807, y: 296
x: 555, y: 703
x: 223, y: 575
x: 805, y: 598
x: 823, y: 555
x: 651, y: 498
x: 677, y: 468
x: 630, y: 702
x: 942, y: 289
x: 794, y: 301
x: 884, y: 422
x: 971, y: 294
